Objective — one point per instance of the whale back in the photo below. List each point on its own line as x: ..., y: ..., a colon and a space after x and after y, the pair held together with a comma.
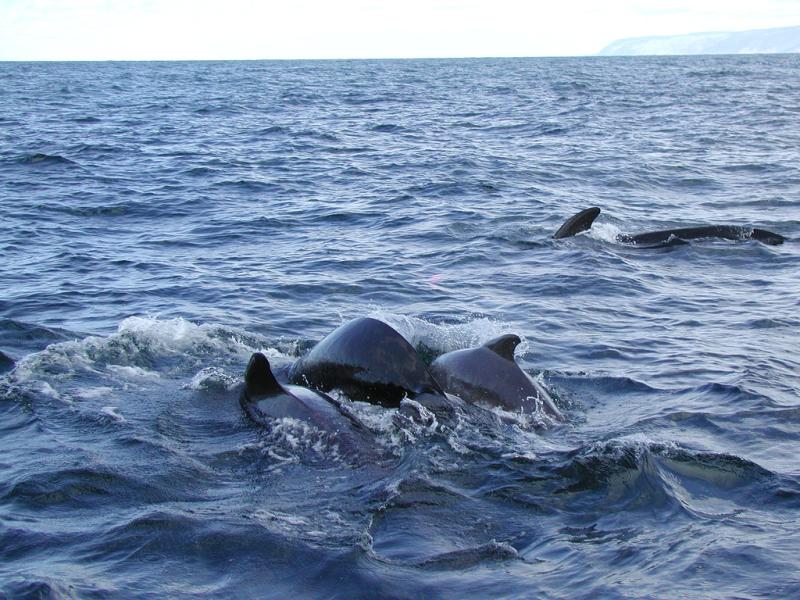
x: 489, y: 375
x: 368, y: 360
x: 265, y: 401
x: 767, y: 237
x: 725, y: 232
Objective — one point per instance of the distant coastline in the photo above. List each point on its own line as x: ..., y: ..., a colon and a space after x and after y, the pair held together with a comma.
x: 757, y: 41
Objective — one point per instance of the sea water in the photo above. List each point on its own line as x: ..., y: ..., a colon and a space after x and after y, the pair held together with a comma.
x: 162, y: 221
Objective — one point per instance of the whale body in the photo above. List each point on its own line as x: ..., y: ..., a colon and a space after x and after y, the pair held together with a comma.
x: 367, y: 360
x: 489, y: 375
x: 725, y: 232
x: 265, y: 400
x: 583, y: 220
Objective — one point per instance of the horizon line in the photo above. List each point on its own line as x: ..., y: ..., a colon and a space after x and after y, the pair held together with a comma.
x: 387, y: 58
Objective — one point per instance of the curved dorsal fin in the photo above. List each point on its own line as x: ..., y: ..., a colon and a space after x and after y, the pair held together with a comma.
x: 504, y: 345
x: 577, y: 223
x: 258, y: 378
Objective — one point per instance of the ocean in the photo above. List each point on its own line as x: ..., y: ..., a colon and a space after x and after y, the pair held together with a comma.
x: 163, y: 221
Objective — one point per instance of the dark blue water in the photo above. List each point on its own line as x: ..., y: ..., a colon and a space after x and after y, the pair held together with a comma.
x: 162, y: 221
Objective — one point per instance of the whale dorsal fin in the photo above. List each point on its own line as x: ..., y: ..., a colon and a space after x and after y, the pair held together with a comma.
x: 504, y: 345
x: 258, y: 378
x: 577, y: 223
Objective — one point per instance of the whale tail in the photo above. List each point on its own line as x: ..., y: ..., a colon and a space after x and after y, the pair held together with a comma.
x: 258, y: 379
x: 577, y: 223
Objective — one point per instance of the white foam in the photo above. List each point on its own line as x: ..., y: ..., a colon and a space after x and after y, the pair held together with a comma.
x: 454, y: 441
x: 213, y: 378
x: 605, y: 232
x: 95, y: 392
x: 141, y: 348
x: 113, y: 412
x: 528, y: 456
x: 48, y: 390
x: 531, y: 420
x: 639, y: 442
x: 270, y: 517
x: 446, y: 337
x: 55, y: 361
x: 410, y: 429
x: 393, y: 428
x: 288, y: 441
x: 170, y: 336
x: 132, y: 372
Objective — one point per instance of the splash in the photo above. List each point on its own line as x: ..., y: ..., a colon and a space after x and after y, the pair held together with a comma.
x: 291, y: 441
x: 446, y: 337
x: 144, y: 348
x: 605, y: 232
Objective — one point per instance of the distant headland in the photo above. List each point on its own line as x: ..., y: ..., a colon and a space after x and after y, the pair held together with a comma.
x: 757, y: 41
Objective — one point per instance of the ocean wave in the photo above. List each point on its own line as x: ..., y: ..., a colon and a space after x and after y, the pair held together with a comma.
x: 24, y: 585
x: 6, y: 362
x: 45, y: 160
x: 249, y: 185
x: 142, y: 347
x: 388, y: 128
x: 272, y: 130
x: 87, y: 120
x: 637, y: 472
x: 490, y: 552
x: 28, y: 337
x: 217, y: 109
x: 315, y: 134
x: 81, y: 488
x: 114, y: 210
x: 299, y: 98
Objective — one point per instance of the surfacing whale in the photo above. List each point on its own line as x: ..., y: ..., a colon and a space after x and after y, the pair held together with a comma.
x: 490, y: 375
x: 367, y: 360
x: 584, y: 219
x: 265, y: 400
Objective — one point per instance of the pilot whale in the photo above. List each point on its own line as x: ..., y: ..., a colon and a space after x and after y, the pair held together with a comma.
x: 265, y: 400
x: 490, y: 375
x: 367, y: 360
x: 584, y: 219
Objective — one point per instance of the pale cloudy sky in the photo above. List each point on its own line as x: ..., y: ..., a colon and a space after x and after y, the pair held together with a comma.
x: 250, y: 29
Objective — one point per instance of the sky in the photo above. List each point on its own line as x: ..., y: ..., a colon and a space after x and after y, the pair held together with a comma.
x: 251, y: 29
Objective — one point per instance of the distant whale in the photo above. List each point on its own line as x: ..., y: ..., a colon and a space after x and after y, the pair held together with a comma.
x: 584, y: 219
x: 367, y: 360
x: 490, y: 375
x: 265, y: 400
